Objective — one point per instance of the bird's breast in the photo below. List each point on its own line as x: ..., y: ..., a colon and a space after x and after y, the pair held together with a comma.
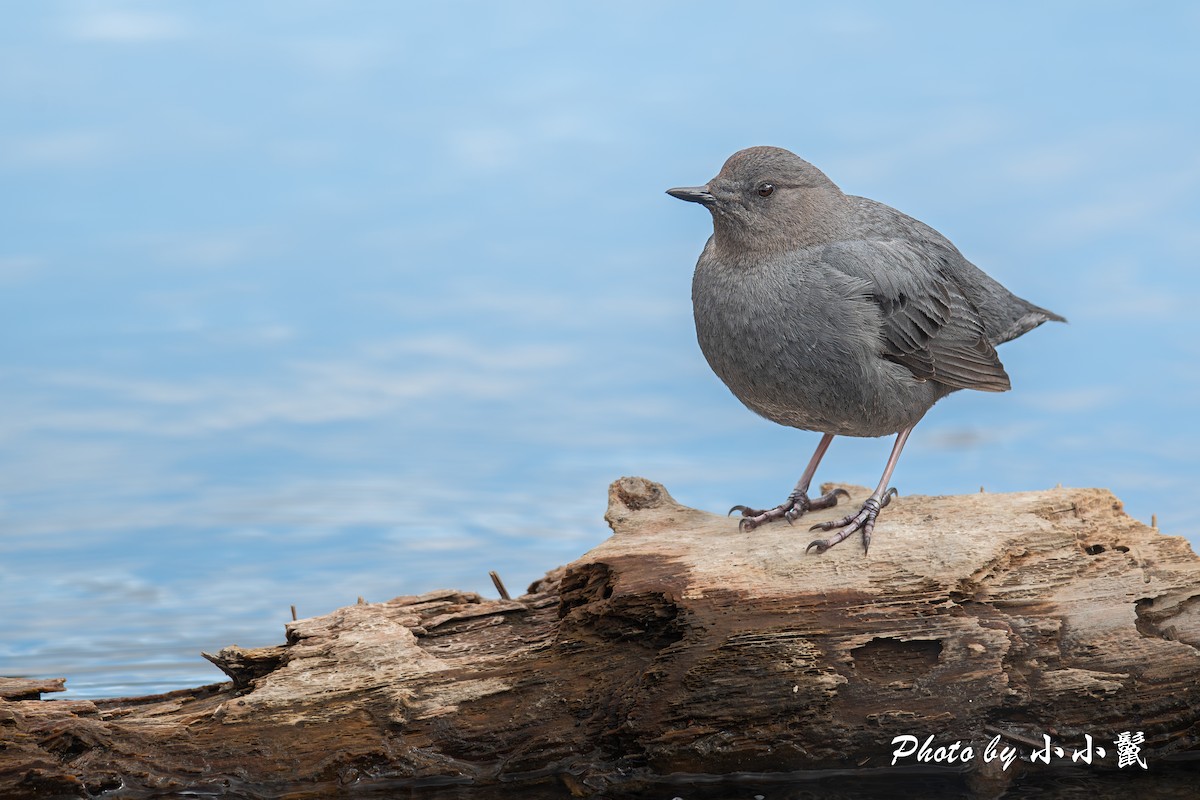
x: 800, y: 347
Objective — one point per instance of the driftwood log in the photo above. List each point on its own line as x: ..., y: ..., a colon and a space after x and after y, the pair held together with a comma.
x: 681, y: 647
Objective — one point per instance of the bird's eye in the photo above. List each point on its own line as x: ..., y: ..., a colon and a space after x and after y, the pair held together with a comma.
x: 765, y: 189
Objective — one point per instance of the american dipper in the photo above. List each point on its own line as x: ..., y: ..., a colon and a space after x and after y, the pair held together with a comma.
x: 834, y: 313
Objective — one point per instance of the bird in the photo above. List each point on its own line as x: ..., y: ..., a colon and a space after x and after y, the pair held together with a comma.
x: 838, y: 314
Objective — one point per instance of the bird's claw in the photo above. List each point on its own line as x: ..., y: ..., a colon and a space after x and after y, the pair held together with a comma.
x: 791, y: 509
x: 834, y: 493
x: 864, y: 520
x: 821, y: 544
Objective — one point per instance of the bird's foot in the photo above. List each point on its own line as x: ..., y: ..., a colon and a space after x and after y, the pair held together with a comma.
x: 790, y: 509
x: 864, y: 520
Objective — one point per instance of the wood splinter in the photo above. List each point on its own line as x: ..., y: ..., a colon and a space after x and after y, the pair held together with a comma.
x: 499, y: 585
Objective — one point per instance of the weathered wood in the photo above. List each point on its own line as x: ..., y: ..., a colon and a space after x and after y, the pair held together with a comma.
x: 682, y: 646
x: 244, y: 665
x: 29, y: 688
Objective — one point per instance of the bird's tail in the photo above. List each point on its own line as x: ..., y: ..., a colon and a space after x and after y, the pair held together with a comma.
x: 1030, y: 317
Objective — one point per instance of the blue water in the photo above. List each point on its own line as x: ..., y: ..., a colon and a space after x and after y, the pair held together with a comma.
x: 304, y: 302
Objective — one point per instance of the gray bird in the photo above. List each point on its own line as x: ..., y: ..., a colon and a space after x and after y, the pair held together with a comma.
x: 834, y: 313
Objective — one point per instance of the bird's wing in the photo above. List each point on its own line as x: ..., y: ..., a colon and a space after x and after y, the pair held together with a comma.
x: 929, y: 324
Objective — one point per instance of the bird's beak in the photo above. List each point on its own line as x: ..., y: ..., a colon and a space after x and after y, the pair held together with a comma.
x: 693, y: 194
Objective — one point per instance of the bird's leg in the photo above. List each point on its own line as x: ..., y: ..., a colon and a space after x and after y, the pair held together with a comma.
x: 797, y: 502
x: 864, y: 520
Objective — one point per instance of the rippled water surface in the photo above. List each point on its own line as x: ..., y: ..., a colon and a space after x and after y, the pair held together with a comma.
x: 300, y: 304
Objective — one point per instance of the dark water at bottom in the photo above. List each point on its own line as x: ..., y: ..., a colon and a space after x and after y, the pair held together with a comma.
x: 1175, y: 781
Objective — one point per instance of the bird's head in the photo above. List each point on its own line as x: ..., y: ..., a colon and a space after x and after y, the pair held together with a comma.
x: 766, y: 199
